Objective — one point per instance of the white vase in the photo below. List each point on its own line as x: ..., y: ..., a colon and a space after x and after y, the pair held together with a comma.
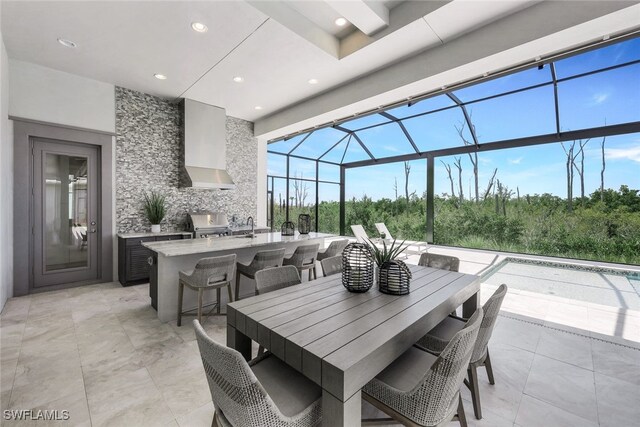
x: 155, y: 228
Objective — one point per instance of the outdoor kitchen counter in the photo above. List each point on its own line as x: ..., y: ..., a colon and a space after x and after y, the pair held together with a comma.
x: 182, y: 255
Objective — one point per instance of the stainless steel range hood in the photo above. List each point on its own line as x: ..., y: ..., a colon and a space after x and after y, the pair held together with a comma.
x: 205, y: 147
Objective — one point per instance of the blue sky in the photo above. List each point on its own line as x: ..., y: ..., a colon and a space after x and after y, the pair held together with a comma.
x: 609, y: 97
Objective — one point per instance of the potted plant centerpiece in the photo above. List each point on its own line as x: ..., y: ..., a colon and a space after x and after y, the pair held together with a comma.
x: 155, y: 209
x: 393, y: 275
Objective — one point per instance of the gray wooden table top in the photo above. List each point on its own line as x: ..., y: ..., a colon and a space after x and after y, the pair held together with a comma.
x: 341, y: 340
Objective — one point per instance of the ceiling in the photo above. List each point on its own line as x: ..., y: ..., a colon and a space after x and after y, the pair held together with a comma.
x: 275, y: 46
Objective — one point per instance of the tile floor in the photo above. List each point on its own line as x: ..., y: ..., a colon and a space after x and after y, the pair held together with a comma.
x: 101, y: 353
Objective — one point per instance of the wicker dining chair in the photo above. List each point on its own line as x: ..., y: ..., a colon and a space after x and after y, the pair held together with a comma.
x: 263, y: 392
x: 437, y: 339
x: 421, y: 389
x: 331, y: 265
x: 261, y: 260
x: 304, y: 258
x: 442, y: 262
x: 208, y: 274
x: 335, y: 248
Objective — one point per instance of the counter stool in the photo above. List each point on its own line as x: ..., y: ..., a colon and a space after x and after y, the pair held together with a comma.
x: 304, y: 258
x: 209, y: 273
x: 261, y: 260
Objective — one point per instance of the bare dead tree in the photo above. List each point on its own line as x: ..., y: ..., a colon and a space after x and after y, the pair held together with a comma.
x: 458, y: 164
x: 447, y: 166
x: 503, y: 194
x: 300, y: 191
x: 569, y: 168
x: 580, y: 170
x: 407, y: 171
x: 395, y: 186
x: 604, y: 166
x: 473, y: 157
x: 490, y: 184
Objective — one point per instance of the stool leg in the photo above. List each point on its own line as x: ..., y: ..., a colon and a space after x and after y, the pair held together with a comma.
x: 200, y: 305
x: 237, y: 286
x: 230, y: 293
x: 218, y: 299
x: 180, y: 293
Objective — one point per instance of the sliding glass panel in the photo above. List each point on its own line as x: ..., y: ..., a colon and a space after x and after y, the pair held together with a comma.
x: 327, y: 172
x: 276, y: 164
x: 329, y: 208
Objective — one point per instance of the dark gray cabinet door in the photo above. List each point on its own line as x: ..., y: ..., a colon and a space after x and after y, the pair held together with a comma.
x: 65, y: 217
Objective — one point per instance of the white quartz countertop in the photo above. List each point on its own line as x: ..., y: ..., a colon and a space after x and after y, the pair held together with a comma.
x: 137, y: 235
x: 198, y: 246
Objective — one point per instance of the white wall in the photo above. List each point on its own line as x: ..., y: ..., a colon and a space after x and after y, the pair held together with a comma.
x: 43, y: 94
x: 6, y: 182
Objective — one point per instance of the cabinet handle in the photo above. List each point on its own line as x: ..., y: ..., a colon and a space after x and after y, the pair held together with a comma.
x: 150, y: 260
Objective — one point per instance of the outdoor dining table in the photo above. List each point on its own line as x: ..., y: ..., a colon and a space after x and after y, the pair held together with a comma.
x: 341, y: 340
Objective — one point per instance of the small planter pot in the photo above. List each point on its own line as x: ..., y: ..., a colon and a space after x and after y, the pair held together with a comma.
x: 155, y: 228
x: 394, y: 278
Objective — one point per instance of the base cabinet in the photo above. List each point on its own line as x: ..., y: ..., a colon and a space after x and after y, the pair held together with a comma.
x: 133, y: 259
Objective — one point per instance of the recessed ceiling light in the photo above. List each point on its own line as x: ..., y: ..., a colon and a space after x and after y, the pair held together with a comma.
x: 341, y: 22
x: 238, y: 79
x: 199, y: 27
x: 67, y: 43
x: 313, y: 81
x: 160, y: 76
x: 257, y: 107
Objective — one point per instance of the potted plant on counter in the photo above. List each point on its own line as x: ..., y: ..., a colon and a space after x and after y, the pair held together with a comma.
x: 393, y: 275
x: 155, y: 209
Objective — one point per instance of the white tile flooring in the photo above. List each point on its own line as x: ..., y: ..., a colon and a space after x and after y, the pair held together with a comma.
x: 101, y: 353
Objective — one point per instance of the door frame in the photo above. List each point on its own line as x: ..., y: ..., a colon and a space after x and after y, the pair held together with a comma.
x: 23, y: 131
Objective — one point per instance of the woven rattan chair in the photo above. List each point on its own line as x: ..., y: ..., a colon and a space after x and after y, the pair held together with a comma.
x: 438, y: 338
x: 272, y: 279
x: 420, y: 389
x: 335, y: 248
x: 262, y: 260
x: 209, y: 273
x: 304, y: 258
x: 331, y: 265
x: 263, y: 392
x: 443, y: 262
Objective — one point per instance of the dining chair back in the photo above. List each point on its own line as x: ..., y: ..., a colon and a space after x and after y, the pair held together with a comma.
x: 335, y: 248
x: 272, y: 279
x: 331, y: 265
x: 304, y: 258
x: 442, y: 262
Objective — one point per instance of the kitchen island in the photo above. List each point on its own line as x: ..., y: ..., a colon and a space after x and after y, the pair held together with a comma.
x: 172, y: 256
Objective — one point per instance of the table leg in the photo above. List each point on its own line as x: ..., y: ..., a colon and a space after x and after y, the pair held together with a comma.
x: 239, y: 341
x: 471, y: 305
x: 336, y: 413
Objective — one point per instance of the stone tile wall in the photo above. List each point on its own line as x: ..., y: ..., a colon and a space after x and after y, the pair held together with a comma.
x: 149, y: 147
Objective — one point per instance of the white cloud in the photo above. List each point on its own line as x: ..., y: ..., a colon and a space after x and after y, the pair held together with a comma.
x: 516, y: 161
x: 599, y: 98
x: 391, y: 148
x: 631, y: 153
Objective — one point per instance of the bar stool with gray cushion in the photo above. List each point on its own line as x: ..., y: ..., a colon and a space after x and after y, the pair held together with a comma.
x: 335, y: 248
x: 261, y: 260
x: 442, y: 262
x: 304, y: 258
x: 331, y: 265
x: 272, y: 279
x: 437, y: 339
x: 263, y: 392
x: 420, y: 389
x: 209, y: 273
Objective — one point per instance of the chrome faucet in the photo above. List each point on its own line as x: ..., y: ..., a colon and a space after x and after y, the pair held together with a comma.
x: 253, y: 233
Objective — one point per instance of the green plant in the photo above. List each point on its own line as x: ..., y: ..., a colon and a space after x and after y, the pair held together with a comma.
x: 155, y: 207
x: 387, y: 253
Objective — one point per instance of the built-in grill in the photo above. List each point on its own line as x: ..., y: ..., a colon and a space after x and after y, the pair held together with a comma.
x: 207, y: 224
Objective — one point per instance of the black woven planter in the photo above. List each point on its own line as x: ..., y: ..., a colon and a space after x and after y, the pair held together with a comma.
x: 304, y: 223
x: 357, y: 267
x: 394, y: 278
x: 288, y: 229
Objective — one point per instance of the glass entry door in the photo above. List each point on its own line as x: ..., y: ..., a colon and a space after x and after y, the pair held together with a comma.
x: 65, y: 213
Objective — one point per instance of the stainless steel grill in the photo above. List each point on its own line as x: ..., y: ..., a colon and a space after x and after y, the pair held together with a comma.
x: 207, y: 224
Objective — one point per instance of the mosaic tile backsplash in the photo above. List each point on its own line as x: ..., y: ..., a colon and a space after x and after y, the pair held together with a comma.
x: 149, y: 147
